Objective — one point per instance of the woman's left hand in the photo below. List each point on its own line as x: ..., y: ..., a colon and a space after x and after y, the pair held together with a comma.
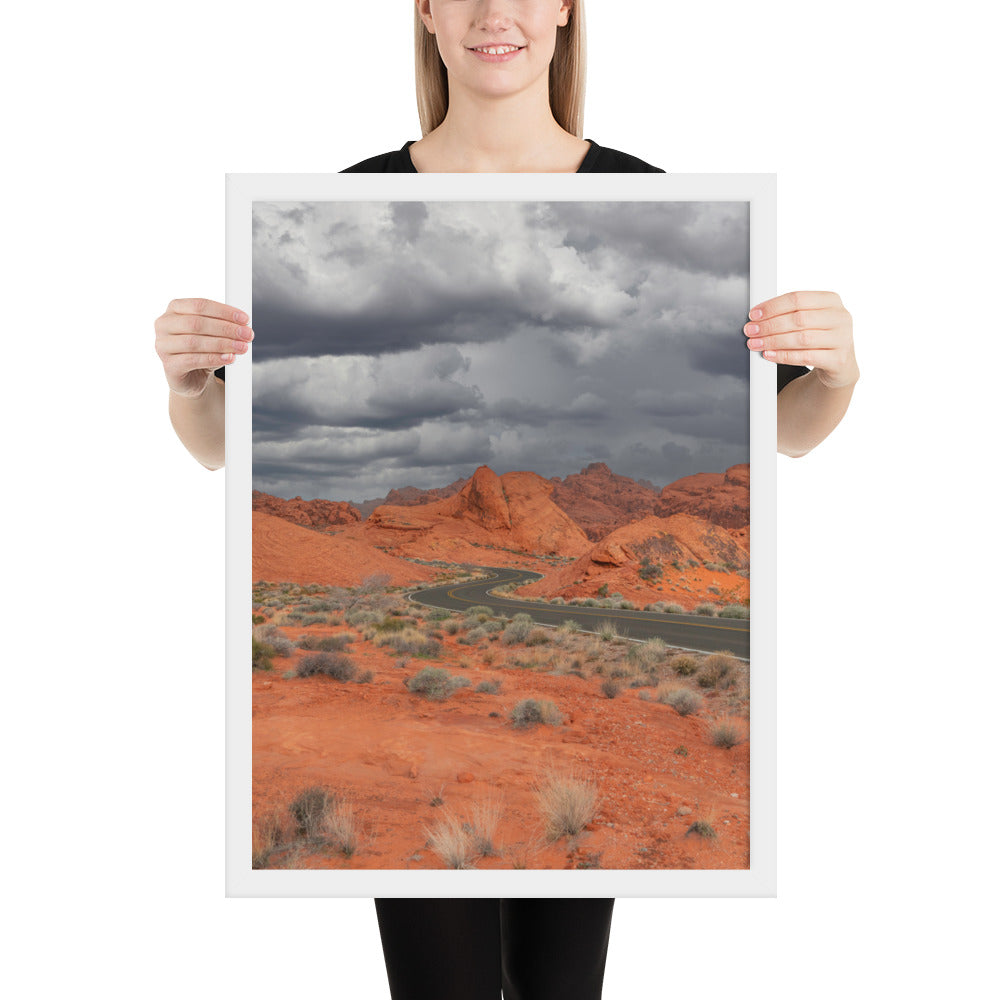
x: 806, y: 328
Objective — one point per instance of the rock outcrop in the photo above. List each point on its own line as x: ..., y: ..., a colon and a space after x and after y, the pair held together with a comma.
x: 308, y: 513
x: 513, y: 511
x: 600, y: 501
x: 722, y: 498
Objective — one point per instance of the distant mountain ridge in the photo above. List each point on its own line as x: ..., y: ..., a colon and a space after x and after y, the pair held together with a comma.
x: 597, y: 500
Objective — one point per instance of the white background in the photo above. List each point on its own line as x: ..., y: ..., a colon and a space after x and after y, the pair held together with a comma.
x: 123, y: 120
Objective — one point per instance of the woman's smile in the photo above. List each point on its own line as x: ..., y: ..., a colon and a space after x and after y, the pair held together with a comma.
x: 496, y: 53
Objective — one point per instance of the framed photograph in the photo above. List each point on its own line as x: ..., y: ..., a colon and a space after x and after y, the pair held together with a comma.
x: 499, y: 465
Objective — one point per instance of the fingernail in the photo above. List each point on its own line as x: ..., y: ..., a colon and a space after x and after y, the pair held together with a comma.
x: 755, y: 345
x: 756, y: 313
x: 752, y: 328
x: 240, y: 317
x: 770, y: 354
x: 246, y: 333
x: 228, y: 358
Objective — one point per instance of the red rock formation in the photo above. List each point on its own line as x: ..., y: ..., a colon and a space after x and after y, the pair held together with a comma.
x: 616, y: 561
x: 600, y: 501
x: 723, y: 499
x: 513, y: 511
x: 285, y: 552
x: 410, y: 496
x: 309, y: 513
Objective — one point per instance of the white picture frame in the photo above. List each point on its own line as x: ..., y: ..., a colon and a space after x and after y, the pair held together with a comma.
x: 760, y: 878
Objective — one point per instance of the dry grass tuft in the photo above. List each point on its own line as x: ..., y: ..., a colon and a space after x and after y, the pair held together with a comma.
x: 451, y: 841
x: 340, y: 827
x: 567, y: 802
x: 266, y: 836
x: 486, y: 816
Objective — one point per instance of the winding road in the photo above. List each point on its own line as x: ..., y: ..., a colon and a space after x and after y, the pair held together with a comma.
x: 706, y: 635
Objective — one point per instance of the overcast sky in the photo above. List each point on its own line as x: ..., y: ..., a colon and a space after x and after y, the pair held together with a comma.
x: 406, y: 343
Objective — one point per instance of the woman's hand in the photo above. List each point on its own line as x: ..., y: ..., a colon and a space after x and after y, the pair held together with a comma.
x: 196, y: 336
x: 806, y: 328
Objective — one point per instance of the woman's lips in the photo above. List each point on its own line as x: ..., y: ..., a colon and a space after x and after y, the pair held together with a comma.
x: 496, y: 53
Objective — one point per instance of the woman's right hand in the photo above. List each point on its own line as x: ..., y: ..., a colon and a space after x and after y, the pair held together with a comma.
x: 196, y: 336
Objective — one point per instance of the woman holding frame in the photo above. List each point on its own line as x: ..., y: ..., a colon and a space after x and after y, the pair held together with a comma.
x: 500, y: 88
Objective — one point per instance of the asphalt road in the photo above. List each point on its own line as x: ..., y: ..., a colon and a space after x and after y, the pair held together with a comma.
x: 707, y: 635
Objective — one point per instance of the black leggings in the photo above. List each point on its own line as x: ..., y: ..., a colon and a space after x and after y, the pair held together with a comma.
x: 466, y: 949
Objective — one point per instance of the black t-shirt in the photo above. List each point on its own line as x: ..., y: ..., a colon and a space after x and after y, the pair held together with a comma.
x: 599, y: 160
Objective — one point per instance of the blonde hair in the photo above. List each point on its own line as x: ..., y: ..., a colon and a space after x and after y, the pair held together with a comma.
x: 567, y: 74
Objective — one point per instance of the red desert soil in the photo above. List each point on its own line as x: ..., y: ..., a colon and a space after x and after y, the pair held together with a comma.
x: 390, y: 752
x: 285, y: 551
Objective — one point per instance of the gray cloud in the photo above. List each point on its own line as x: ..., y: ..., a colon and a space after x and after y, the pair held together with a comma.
x: 406, y: 343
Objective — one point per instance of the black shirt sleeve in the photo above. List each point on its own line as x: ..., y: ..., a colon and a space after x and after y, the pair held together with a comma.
x: 221, y: 373
x: 788, y: 373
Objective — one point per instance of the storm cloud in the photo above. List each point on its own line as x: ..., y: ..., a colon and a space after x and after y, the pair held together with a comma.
x: 403, y: 344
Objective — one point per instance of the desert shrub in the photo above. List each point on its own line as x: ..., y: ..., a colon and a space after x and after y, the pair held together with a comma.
x: 607, y: 631
x: 558, y: 601
x: 684, y: 665
x: 393, y: 623
x: 709, y: 610
x: 649, y: 570
x: 647, y: 656
x: 452, y: 626
x: 602, y: 590
x: 538, y: 637
x: 518, y: 630
x: 309, y: 810
x: 682, y: 700
x: 569, y: 626
x: 473, y: 636
x: 610, y: 687
x: 363, y: 616
x: 336, y: 665
x: 531, y: 711
x: 313, y: 620
x: 273, y: 637
x: 327, y: 643
x: 735, y: 611
x: 488, y: 687
x: 412, y: 642
x: 479, y: 612
x: 567, y: 804
x: 703, y: 829
x: 261, y: 655
x: 435, y: 683
x: 366, y: 678
x: 726, y: 733
x: 716, y: 567
x: 717, y: 670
